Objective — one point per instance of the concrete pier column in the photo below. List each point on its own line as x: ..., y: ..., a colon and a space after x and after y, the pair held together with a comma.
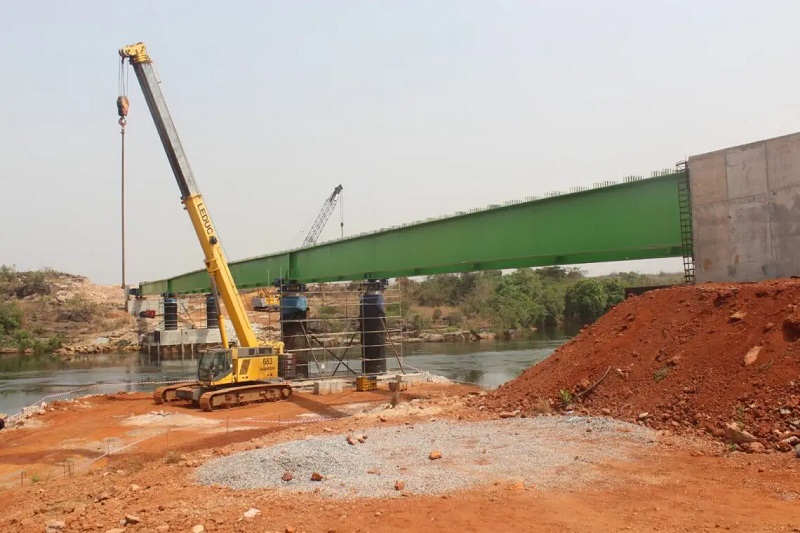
x: 170, y: 312
x: 373, y: 331
x: 294, y: 321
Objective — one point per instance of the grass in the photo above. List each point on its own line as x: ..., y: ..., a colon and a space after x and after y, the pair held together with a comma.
x: 740, y: 415
x: 566, y: 396
x: 541, y: 407
x: 660, y: 374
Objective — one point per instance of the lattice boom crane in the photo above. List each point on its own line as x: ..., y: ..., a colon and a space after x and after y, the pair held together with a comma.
x: 322, y: 217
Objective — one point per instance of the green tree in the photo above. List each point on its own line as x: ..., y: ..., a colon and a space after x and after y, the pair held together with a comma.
x: 554, y: 273
x: 631, y: 279
x: 615, y: 292
x: 476, y: 303
x: 516, y: 302
x: 586, y: 300
x: 552, y: 300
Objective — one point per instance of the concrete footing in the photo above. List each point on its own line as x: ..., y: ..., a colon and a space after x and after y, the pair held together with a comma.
x: 330, y: 386
x: 412, y: 379
x: 395, y: 382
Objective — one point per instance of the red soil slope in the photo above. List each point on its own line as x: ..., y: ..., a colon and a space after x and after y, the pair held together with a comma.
x: 678, y: 360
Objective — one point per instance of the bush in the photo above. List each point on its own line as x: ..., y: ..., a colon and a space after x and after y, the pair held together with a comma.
x: 33, y: 284
x: 10, y: 318
x: 24, y: 284
x: 327, y: 311
x: 79, y: 309
x: 24, y: 340
x: 419, y: 322
x: 454, y: 319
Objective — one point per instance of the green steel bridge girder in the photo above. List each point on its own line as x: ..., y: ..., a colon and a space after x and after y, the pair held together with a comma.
x: 634, y: 220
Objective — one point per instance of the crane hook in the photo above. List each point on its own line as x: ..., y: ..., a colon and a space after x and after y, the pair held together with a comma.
x: 122, y: 109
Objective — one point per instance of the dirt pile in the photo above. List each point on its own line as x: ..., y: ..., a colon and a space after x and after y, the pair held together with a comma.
x: 715, y: 359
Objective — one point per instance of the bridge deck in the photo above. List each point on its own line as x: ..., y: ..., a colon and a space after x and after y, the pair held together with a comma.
x: 633, y: 220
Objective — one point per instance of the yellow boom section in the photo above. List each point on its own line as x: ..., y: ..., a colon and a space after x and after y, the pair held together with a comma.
x: 217, y: 266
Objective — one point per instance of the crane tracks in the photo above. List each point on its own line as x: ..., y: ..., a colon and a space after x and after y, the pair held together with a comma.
x: 244, y: 395
x: 169, y: 393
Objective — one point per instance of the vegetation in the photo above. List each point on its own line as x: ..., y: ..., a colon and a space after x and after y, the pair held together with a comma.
x: 17, y: 329
x: 566, y: 397
x: 519, y: 300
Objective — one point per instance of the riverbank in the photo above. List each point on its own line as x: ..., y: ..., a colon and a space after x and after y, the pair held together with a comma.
x: 47, y: 311
x: 27, y: 378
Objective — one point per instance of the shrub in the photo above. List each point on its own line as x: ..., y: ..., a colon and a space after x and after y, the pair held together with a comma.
x: 10, y: 318
x: 80, y: 309
x: 454, y: 319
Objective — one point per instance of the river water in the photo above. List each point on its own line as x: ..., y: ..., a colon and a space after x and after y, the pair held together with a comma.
x: 27, y: 379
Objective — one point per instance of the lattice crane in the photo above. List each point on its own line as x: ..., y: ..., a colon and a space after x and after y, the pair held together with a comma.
x: 322, y: 218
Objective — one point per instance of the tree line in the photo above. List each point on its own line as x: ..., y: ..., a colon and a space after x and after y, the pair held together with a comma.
x: 524, y: 298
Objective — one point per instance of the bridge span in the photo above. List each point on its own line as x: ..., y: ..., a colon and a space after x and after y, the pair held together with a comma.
x: 640, y: 218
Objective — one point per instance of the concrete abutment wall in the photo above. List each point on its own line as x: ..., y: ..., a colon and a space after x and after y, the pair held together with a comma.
x: 746, y: 211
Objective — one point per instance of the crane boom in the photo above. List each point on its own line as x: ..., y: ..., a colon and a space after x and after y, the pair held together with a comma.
x: 322, y: 217
x: 216, y: 264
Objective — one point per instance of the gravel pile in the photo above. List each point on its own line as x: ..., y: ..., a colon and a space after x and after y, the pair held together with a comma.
x: 542, y: 451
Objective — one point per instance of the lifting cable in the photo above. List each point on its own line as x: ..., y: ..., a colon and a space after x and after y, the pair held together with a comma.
x: 122, y: 111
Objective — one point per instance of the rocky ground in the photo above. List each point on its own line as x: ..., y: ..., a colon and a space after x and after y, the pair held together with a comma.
x: 87, y: 318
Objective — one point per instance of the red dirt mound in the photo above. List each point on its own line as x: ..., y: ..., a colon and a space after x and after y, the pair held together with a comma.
x: 689, y: 359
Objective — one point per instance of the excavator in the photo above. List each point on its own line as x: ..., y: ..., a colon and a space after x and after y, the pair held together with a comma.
x: 234, y: 375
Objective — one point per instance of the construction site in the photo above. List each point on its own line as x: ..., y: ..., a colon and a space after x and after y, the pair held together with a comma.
x: 678, y: 409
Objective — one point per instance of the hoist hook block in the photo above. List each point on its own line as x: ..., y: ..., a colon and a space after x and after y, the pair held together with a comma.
x: 122, y: 122
x: 122, y: 106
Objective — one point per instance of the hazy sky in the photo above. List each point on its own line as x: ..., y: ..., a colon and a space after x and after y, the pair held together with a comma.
x: 416, y: 108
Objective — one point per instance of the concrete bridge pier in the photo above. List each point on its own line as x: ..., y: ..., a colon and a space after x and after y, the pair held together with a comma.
x: 294, y: 323
x: 373, y: 330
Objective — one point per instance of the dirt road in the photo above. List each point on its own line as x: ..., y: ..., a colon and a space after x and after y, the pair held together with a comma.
x: 670, y: 485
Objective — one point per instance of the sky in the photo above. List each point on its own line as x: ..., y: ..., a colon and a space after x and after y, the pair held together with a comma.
x: 417, y: 108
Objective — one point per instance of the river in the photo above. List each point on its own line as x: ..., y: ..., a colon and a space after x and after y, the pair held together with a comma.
x: 27, y: 379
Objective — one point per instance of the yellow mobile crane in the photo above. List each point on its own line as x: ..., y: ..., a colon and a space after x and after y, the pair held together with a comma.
x: 230, y: 376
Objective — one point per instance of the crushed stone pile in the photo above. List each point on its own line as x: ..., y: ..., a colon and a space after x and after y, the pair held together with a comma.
x: 713, y: 359
x: 433, y: 457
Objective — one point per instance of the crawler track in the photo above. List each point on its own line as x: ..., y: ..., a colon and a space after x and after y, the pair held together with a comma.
x: 167, y: 393
x: 244, y: 395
